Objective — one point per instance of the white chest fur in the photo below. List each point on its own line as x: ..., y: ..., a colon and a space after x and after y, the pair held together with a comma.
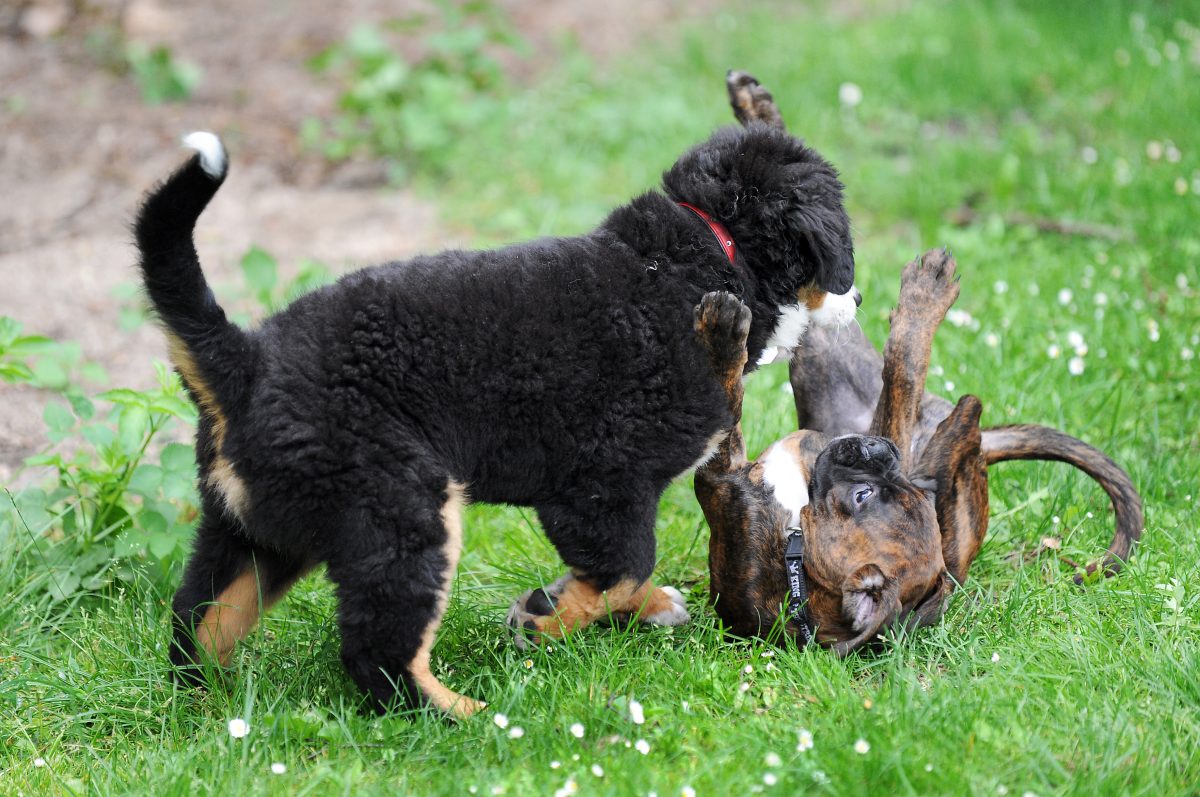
x: 789, y: 483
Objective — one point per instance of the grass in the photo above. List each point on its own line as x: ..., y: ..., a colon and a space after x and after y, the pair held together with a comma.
x: 1029, y: 683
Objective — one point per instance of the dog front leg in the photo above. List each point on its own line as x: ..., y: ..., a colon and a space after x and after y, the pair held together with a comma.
x: 928, y: 287
x: 610, y: 549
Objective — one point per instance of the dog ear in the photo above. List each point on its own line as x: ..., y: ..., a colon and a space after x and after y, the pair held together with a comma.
x: 870, y: 601
x: 953, y: 463
x: 824, y: 228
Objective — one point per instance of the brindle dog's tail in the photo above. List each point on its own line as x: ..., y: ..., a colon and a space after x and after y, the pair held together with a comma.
x: 1004, y: 443
x: 213, y: 355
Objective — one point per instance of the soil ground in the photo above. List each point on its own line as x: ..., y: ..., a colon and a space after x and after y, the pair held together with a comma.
x: 79, y: 145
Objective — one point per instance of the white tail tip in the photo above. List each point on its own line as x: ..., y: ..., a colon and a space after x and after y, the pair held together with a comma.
x: 212, y: 152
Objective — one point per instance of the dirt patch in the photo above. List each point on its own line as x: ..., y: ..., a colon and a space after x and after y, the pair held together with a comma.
x: 79, y: 145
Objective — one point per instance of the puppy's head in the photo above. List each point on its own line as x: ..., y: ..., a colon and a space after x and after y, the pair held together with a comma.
x: 874, y: 549
x: 782, y: 202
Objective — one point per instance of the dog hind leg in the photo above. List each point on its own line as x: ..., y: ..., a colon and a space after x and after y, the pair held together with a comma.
x: 393, y: 577
x: 227, y: 584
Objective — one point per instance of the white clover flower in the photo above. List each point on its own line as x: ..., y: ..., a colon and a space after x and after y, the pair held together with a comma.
x: 1065, y: 296
x: 995, y: 658
x: 929, y: 767
x: 501, y: 720
x: 850, y: 94
x: 1000, y: 286
x: 642, y: 746
x: 992, y: 340
x: 1075, y: 365
x: 1172, y: 152
x: 1154, y: 150
x: 555, y: 764
x: 769, y: 779
x: 773, y: 760
x: 1122, y: 174
x: 1101, y: 298
x: 1001, y: 789
x: 745, y: 687
x: 862, y: 747
x: 959, y: 318
x: 238, y: 728
x: 1053, y: 351
x: 819, y: 776
x: 1089, y: 155
x: 278, y: 768
x: 1186, y: 354
x: 636, y: 713
x: 1074, y: 338
x: 805, y: 742
x: 1181, y: 281
x: 567, y: 789
x: 517, y: 732
x: 749, y: 668
x: 687, y: 791
x: 949, y: 386
x: 597, y: 770
x: 577, y: 730
x: 39, y: 762
x: 1055, y: 520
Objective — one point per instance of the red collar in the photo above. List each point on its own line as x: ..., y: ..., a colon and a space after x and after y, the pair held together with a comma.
x: 718, y: 229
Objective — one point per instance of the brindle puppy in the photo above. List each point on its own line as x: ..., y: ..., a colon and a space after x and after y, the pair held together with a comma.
x: 892, y: 519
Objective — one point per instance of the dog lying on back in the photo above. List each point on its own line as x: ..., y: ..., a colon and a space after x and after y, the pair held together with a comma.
x: 869, y: 516
x: 563, y: 374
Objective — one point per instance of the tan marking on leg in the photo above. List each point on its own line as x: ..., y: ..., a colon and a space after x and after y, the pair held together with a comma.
x: 231, y: 617
x: 223, y: 479
x: 439, y: 695
x: 648, y: 600
x: 581, y: 604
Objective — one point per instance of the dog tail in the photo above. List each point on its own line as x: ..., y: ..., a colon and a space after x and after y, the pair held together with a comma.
x: 213, y: 356
x: 1005, y: 443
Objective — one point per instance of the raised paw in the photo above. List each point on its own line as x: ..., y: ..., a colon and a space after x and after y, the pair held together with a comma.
x: 722, y: 323
x: 929, y: 285
x: 750, y: 101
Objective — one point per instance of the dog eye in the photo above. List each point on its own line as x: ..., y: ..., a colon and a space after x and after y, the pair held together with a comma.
x: 862, y: 494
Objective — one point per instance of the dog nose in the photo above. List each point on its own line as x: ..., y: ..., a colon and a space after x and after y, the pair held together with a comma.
x: 857, y: 297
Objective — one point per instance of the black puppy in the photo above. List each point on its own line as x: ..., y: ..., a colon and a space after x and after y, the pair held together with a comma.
x: 563, y: 374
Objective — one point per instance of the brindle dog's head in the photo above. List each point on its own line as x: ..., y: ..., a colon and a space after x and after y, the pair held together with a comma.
x: 876, y: 535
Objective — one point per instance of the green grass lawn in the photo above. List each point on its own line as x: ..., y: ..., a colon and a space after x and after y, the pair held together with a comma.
x: 1063, y: 113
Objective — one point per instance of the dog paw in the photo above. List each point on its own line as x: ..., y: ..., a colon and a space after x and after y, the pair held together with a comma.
x: 929, y: 284
x: 751, y: 102
x: 668, y: 606
x: 722, y: 323
x: 531, y: 616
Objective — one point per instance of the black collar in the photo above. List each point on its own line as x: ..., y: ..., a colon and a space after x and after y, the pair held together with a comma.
x: 797, y: 605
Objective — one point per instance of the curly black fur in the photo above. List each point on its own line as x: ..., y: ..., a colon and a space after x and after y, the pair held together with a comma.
x: 561, y: 374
